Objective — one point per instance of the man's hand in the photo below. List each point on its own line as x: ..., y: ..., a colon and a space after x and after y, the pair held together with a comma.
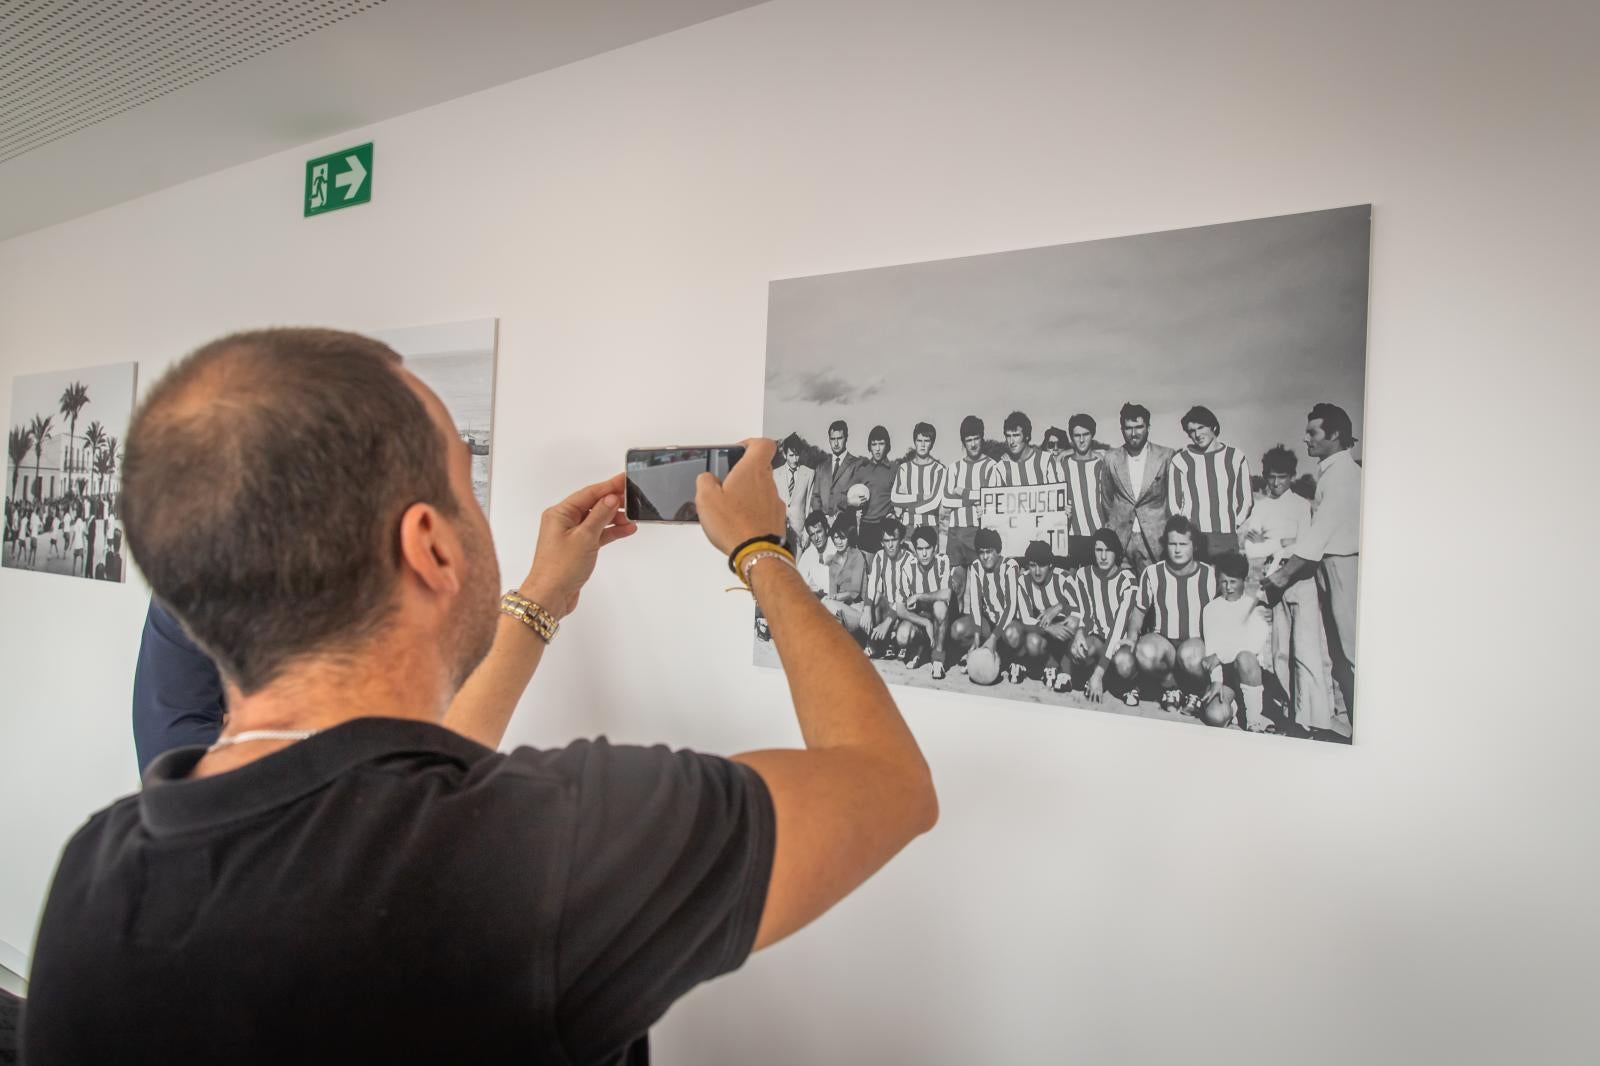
x: 881, y: 630
x: 743, y: 505
x: 1095, y: 687
x: 1058, y: 630
x: 1080, y: 644
x: 571, y: 535
x: 1255, y: 536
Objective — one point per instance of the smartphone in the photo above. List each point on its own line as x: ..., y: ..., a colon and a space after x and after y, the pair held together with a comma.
x: 661, y: 480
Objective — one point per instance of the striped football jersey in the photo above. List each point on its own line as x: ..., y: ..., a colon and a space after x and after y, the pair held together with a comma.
x: 1106, y: 600
x: 1033, y: 600
x: 918, y: 493
x: 1212, y: 490
x: 1083, y: 478
x: 1039, y: 468
x: 883, y: 582
x: 914, y: 579
x: 994, y: 593
x: 961, y: 477
x: 1174, y: 602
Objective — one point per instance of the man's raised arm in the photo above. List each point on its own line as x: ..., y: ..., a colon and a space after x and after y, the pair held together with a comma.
x: 571, y: 534
x: 860, y: 790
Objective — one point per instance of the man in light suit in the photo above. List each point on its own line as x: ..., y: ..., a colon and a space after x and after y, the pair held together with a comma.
x: 835, y: 474
x: 794, y: 488
x: 1134, y: 486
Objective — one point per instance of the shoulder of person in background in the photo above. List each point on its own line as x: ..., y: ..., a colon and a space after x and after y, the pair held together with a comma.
x: 177, y: 690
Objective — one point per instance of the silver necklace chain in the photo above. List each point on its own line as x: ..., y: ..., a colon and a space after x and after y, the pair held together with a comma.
x: 262, y: 734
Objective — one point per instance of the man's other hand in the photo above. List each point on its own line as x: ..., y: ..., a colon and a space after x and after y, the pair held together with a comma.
x: 571, y: 534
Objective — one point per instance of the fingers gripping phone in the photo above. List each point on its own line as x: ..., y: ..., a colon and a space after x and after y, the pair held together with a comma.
x: 661, y: 480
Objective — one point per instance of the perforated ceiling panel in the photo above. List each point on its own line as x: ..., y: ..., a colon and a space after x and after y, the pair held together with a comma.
x: 68, y: 64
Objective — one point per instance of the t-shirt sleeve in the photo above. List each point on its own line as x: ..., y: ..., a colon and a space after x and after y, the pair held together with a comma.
x: 671, y: 854
x: 1312, y: 543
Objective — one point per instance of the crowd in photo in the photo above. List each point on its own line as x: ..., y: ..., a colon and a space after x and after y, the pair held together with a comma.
x: 74, y: 535
x: 1170, y: 574
x: 63, y: 475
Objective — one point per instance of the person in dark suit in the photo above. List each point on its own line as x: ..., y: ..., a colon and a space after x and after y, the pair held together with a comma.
x: 1134, y: 486
x: 177, y: 691
x: 837, y: 474
x: 110, y: 569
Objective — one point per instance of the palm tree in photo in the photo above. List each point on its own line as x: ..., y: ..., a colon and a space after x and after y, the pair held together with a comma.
x: 17, y: 444
x: 115, y: 453
x: 94, y: 438
x: 104, y: 463
x: 73, y: 399
x: 40, y: 431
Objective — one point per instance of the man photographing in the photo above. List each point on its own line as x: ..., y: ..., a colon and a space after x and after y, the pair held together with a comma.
x: 352, y: 873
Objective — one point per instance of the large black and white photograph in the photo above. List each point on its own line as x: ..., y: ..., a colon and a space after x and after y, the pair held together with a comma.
x: 457, y: 360
x: 63, y: 472
x: 1121, y: 474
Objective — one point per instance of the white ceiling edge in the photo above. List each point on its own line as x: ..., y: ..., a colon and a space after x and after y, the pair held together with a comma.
x: 400, y: 57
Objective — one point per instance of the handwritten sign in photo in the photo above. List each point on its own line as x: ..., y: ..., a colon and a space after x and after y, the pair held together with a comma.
x: 1020, y: 515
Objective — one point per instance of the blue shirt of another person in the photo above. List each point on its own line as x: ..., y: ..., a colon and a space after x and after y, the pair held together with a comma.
x: 177, y: 692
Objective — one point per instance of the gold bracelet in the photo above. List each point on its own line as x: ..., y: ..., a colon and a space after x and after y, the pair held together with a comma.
x: 530, y: 614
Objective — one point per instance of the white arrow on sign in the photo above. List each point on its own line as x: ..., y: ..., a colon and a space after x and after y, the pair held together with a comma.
x: 352, y: 177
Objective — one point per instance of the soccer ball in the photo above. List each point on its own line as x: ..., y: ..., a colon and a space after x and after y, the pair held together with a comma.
x: 857, y: 495
x: 983, y: 666
x: 1218, y: 711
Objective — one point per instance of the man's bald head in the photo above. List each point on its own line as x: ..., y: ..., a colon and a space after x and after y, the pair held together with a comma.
x: 265, y: 478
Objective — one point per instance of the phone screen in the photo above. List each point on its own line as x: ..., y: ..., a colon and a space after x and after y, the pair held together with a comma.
x: 661, y: 480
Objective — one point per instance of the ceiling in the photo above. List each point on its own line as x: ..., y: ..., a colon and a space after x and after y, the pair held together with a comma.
x: 102, y: 101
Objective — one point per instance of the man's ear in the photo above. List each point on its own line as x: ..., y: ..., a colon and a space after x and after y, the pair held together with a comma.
x: 430, y: 549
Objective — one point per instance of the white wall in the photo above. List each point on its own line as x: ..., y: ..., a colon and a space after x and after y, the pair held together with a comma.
x: 1101, y: 889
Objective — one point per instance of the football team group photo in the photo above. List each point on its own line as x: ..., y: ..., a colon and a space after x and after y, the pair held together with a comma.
x: 1121, y: 475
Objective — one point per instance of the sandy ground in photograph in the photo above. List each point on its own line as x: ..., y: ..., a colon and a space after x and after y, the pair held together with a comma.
x: 1031, y: 690
x: 45, y: 562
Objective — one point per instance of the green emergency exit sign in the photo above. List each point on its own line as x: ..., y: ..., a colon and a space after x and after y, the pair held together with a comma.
x: 342, y: 179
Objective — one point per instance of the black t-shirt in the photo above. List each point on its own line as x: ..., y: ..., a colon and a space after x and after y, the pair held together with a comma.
x: 388, y: 891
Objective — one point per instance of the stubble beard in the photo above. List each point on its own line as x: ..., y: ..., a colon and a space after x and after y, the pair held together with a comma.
x: 476, y: 614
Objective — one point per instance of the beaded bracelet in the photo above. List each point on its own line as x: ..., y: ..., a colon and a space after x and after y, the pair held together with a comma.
x: 750, y: 560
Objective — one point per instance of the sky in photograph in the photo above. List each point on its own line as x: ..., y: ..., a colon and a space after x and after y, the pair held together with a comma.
x: 1257, y: 320
x: 455, y: 360
x: 110, y: 396
x: 464, y: 382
